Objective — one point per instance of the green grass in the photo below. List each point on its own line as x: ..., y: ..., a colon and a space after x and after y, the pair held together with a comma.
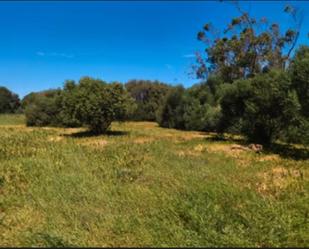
x: 9, y: 119
x: 142, y: 185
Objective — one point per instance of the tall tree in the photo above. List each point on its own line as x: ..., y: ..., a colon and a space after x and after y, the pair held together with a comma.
x: 247, y: 46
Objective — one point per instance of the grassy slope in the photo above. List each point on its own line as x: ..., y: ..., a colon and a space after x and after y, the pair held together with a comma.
x: 142, y: 185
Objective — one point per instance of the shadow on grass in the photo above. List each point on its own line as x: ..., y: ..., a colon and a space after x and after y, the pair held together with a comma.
x: 84, y: 134
x: 287, y: 151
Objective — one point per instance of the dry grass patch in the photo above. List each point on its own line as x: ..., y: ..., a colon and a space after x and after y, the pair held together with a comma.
x: 55, y: 138
x: 96, y: 143
x: 143, y: 140
x: 277, y: 179
x: 233, y: 150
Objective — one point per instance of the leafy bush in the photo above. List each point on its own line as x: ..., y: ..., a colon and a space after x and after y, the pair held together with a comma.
x: 300, y: 78
x: 148, y: 96
x: 9, y: 102
x: 43, y: 108
x: 170, y: 114
x: 94, y: 103
x: 191, y: 109
x: 264, y: 106
x: 299, y: 72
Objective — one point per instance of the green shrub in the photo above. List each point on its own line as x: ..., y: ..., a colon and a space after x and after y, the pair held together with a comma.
x: 42, y: 109
x: 264, y: 106
x: 300, y: 78
x: 170, y: 114
x: 148, y: 96
x: 195, y: 108
x: 9, y: 102
x: 95, y: 103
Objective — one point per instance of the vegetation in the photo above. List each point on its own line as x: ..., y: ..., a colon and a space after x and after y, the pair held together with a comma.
x: 72, y: 174
x: 252, y: 84
x: 148, y: 96
x: 247, y: 46
x: 92, y: 103
x: 42, y: 109
x: 142, y: 185
x: 264, y: 105
x: 9, y: 102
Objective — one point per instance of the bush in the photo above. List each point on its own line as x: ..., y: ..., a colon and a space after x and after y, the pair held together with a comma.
x: 9, y: 102
x: 170, y: 114
x: 43, y: 108
x: 264, y: 106
x: 300, y: 78
x: 94, y: 103
x: 195, y: 108
x: 148, y: 96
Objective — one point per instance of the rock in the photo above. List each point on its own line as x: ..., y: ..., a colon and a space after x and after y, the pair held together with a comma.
x: 238, y: 147
x: 256, y: 147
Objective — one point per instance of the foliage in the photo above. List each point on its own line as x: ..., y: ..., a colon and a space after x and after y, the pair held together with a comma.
x: 43, y: 108
x: 170, y: 114
x: 265, y: 105
x: 95, y: 103
x: 247, y: 46
x: 195, y: 108
x: 300, y: 78
x: 9, y: 102
x: 299, y: 72
x: 92, y: 102
x: 148, y: 96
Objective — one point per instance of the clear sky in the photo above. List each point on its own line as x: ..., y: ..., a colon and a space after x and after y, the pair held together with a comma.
x: 44, y: 43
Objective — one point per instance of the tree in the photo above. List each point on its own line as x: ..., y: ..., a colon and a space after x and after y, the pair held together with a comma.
x: 9, y: 102
x: 300, y: 77
x: 264, y: 106
x: 299, y: 72
x: 148, y: 96
x: 190, y: 109
x: 95, y: 103
x: 247, y: 46
x: 43, y: 108
x: 170, y: 114
x: 68, y: 110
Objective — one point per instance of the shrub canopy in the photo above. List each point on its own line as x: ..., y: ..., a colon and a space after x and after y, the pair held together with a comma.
x: 9, y: 102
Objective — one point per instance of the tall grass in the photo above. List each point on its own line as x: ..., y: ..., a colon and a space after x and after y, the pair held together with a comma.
x: 141, y: 185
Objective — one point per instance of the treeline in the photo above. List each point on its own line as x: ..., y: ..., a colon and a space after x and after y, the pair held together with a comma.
x: 89, y: 102
x: 271, y: 105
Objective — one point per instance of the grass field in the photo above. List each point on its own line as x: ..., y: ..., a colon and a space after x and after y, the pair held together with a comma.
x: 141, y: 185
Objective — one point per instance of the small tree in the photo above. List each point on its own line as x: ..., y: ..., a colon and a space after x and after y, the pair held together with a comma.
x: 300, y: 78
x: 95, y: 103
x: 264, y: 106
x: 170, y: 114
x: 148, y: 96
x: 299, y: 72
x: 9, y: 102
x: 43, y: 108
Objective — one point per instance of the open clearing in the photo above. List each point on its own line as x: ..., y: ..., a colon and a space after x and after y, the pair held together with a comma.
x: 141, y: 185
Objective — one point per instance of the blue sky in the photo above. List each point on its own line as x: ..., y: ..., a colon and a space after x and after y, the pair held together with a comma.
x: 44, y: 43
